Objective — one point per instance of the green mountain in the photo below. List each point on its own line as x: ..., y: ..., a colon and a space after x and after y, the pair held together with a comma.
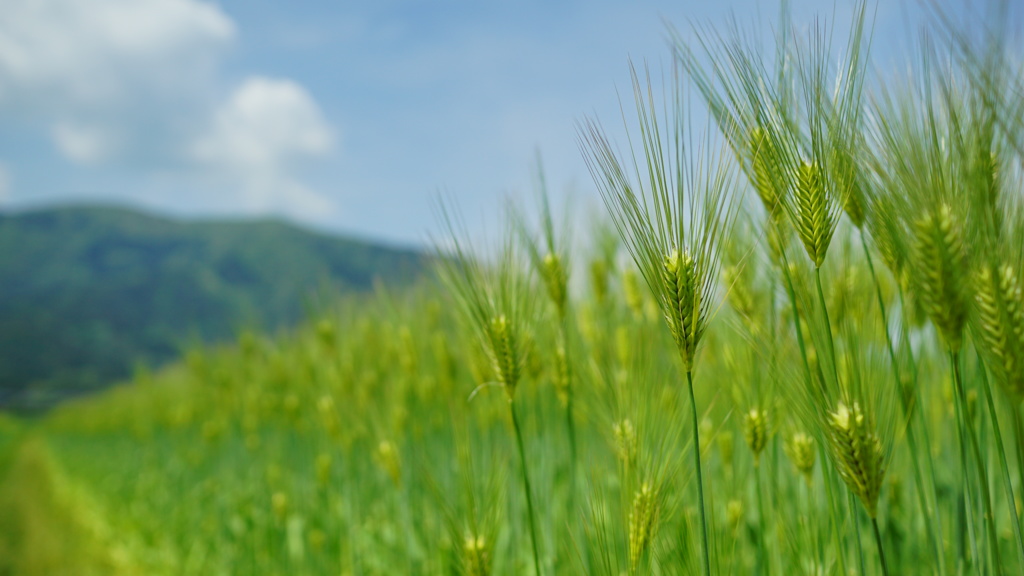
x: 88, y: 293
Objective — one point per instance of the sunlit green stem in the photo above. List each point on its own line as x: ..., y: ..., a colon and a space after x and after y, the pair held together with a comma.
x: 762, y: 544
x: 966, y: 497
x: 932, y: 522
x: 1018, y: 430
x: 805, y: 492
x: 990, y: 525
x: 569, y: 420
x: 830, y: 481
x: 881, y: 550
x: 852, y: 514
x: 925, y: 435
x: 706, y: 546
x: 851, y: 504
x: 1007, y: 482
x: 526, y: 487
x: 791, y: 292
x: 828, y: 324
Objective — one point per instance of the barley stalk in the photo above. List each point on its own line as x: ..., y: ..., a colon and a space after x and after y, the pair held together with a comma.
x: 935, y: 522
x: 643, y: 521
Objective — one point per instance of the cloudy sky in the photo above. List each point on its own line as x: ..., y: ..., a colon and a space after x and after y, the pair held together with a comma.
x: 348, y: 116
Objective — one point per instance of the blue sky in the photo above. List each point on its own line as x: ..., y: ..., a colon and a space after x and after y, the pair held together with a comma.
x: 348, y: 116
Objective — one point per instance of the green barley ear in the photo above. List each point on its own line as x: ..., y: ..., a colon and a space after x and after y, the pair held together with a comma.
x: 683, y: 303
x: 556, y: 279
x: 859, y: 454
x: 494, y: 298
x: 549, y: 255
x: 672, y: 212
x: 643, y: 524
x: 631, y: 292
x: 503, y: 346
x: 935, y: 159
x: 476, y: 557
x: 764, y: 169
x: 1000, y: 325
x: 939, y: 265
x: 625, y: 442
x: 741, y: 297
x: 852, y: 410
x: 386, y: 456
x: 815, y: 212
x: 734, y: 514
x: 854, y: 205
x: 672, y: 203
x: 754, y: 110
x: 801, y: 452
x: 755, y: 432
x: 887, y: 228
x: 828, y: 182
x: 846, y: 160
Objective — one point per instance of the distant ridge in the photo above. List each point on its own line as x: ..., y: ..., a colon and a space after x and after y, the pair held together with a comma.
x: 89, y: 292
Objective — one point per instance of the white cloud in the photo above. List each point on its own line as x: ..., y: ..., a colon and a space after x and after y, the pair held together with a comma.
x: 136, y: 85
x: 87, y: 53
x: 265, y: 123
x: 85, y: 145
x: 257, y: 135
x: 87, y: 69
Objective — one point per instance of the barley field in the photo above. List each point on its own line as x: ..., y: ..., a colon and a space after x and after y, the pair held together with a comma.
x: 794, y: 344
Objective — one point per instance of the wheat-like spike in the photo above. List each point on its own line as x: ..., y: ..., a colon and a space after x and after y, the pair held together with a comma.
x: 940, y: 263
x: 755, y: 432
x: 563, y: 375
x: 387, y: 458
x: 853, y: 205
x: 779, y: 237
x: 1010, y: 287
x: 494, y: 299
x: 556, y: 280
x: 740, y: 297
x: 1001, y: 322
x: 631, y: 292
x: 672, y: 216
x: 625, y: 441
x: 854, y: 199
x: 814, y: 217
x: 683, y: 309
x: 858, y: 454
x: 643, y: 521
x: 475, y: 556
x: 800, y: 449
x: 764, y: 170
x: 503, y: 352
x: 888, y: 233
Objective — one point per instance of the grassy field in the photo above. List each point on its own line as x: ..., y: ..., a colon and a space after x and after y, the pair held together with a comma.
x: 796, y: 346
